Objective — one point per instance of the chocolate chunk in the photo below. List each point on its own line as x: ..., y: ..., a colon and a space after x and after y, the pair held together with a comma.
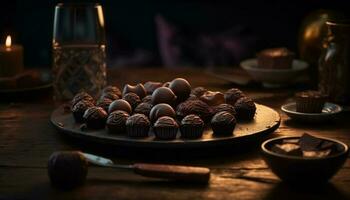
x: 138, y: 89
x: 317, y: 154
x: 287, y: 149
x: 213, y: 98
x: 150, y: 86
x: 309, y: 143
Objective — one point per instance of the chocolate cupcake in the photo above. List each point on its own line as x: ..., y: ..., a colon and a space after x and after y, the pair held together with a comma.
x: 198, y: 91
x: 192, y: 126
x: 137, y: 125
x: 181, y: 88
x: 143, y: 108
x: 138, y: 89
x: 104, y: 103
x: 120, y: 104
x: 82, y: 96
x: 95, y: 117
x: 147, y: 99
x: 116, y: 122
x: 197, y: 107
x: 213, y: 98
x: 79, y: 109
x: 310, y: 101
x: 161, y: 110
x: 225, y: 107
x: 245, y: 108
x: 112, y: 89
x: 133, y: 99
x: 232, y: 95
x: 223, y: 123
x: 165, y: 128
x: 150, y: 86
x: 163, y: 95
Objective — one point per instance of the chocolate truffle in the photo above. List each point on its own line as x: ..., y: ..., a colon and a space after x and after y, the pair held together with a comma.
x: 95, y: 117
x: 133, y: 99
x: 197, y: 107
x: 198, y: 91
x: 225, y: 107
x: 143, y: 108
x: 116, y: 122
x: 160, y: 110
x: 120, y: 104
x: 147, y: 99
x: 79, y: 109
x: 232, y: 95
x: 81, y: 96
x: 150, y: 86
x: 245, y: 108
x: 67, y: 169
x: 138, y: 89
x: 109, y: 95
x: 165, y: 128
x: 192, y: 126
x: 181, y: 88
x: 163, y: 95
x: 104, y: 103
x: 137, y: 125
x: 213, y: 98
x: 310, y: 101
x: 223, y: 123
x: 112, y: 89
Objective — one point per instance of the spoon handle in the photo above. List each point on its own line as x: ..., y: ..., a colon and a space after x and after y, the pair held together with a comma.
x: 173, y: 172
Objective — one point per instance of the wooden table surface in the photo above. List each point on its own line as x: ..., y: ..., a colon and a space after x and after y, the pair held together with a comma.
x: 27, y: 139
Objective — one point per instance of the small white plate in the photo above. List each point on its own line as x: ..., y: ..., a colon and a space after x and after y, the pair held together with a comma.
x: 329, y: 111
x: 274, y: 77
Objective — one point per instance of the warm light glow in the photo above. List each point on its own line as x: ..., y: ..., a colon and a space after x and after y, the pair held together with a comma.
x: 8, y: 41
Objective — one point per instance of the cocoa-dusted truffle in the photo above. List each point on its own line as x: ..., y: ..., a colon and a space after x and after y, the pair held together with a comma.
x: 196, y: 107
x: 225, y: 107
x: 165, y: 128
x: 163, y: 95
x: 109, y: 95
x: 81, y: 96
x: 223, y: 123
x: 198, y: 91
x: 79, y: 109
x: 160, y: 110
x: 104, y: 103
x: 181, y: 88
x: 116, y: 122
x: 232, y: 95
x: 133, y: 99
x: 147, y: 99
x: 213, y: 98
x: 137, y: 125
x: 67, y: 169
x: 95, y: 117
x: 120, y: 104
x: 138, y: 89
x: 192, y: 126
x: 143, y: 108
x: 150, y: 86
x: 245, y: 108
x: 112, y: 89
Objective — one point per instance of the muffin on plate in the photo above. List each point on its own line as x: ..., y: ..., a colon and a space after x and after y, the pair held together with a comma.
x: 275, y: 58
x: 165, y: 128
x: 137, y: 125
x: 192, y: 126
x: 310, y: 101
x: 116, y: 122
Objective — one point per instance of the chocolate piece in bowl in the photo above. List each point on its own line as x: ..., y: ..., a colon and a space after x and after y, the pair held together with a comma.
x: 310, y: 101
x: 163, y: 95
x: 225, y: 107
x: 137, y: 125
x: 181, y: 88
x: 245, y: 108
x: 161, y: 110
x: 232, y: 95
x: 192, y: 127
x: 223, y: 123
x: 82, y: 96
x: 138, y: 89
x: 112, y: 89
x: 104, y: 103
x: 150, y: 86
x: 133, y: 99
x: 213, y: 98
x: 95, y: 117
x: 165, y: 128
x: 198, y: 91
x: 275, y: 58
x: 116, y: 122
x: 120, y: 104
x: 79, y: 109
x: 197, y: 107
x: 143, y: 108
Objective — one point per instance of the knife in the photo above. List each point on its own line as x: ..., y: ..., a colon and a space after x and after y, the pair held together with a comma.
x: 171, y: 172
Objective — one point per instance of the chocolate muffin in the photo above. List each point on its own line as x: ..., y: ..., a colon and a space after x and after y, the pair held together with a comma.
x: 310, y: 101
x: 112, y: 89
x: 79, y: 109
x: 198, y: 91
x: 150, y: 86
x: 232, y: 95
x: 137, y: 125
x: 82, y: 96
x: 181, y: 88
x: 223, y: 123
x: 147, y: 99
x: 165, y: 128
x: 163, y: 95
x: 116, y: 122
x: 109, y: 95
x: 95, y: 117
x: 143, y: 108
x: 104, y: 103
x: 133, y: 99
x: 138, y: 89
x: 213, y: 98
x: 161, y: 110
x: 120, y: 104
x: 197, y: 107
x: 192, y: 126
x: 225, y: 107
x: 245, y: 108
x: 275, y: 58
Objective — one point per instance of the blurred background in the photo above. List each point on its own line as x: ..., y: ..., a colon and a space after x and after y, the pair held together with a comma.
x: 170, y: 33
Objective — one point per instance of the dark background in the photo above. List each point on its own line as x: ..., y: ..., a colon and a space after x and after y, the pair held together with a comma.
x: 130, y: 24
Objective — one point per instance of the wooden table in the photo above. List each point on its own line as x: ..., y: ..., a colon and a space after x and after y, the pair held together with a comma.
x: 27, y: 139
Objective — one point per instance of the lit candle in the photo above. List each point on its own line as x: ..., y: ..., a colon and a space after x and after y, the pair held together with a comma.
x: 11, y: 59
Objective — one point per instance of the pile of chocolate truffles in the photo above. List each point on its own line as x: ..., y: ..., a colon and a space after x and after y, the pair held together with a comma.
x: 165, y: 108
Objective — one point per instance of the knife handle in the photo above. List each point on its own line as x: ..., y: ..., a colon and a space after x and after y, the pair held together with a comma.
x: 173, y: 172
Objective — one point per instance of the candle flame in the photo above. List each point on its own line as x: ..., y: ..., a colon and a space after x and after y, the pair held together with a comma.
x: 8, y: 41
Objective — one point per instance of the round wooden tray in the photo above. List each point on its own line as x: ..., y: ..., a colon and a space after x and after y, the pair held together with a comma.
x: 266, y: 121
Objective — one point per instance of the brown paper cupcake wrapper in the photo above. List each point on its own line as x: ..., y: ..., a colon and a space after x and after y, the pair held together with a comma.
x: 191, y: 132
x: 137, y: 131
x: 165, y: 133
